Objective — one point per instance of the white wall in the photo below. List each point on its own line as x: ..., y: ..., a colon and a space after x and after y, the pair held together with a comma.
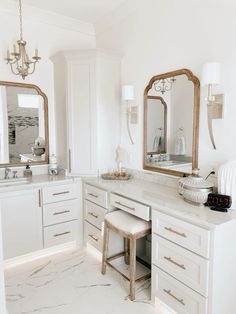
x: 49, y: 33
x: 156, y: 36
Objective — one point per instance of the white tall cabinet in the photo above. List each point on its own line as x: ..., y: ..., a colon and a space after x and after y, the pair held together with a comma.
x: 87, y: 97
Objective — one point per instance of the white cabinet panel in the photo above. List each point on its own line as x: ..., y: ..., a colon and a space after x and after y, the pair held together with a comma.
x: 82, y: 117
x: 21, y: 222
x: 179, y: 297
x: 187, y: 267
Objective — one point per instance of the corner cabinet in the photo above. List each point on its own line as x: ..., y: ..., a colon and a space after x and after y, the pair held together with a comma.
x: 87, y: 97
x: 21, y: 222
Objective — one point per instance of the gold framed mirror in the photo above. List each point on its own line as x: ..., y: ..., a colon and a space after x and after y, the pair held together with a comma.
x: 171, y: 123
x: 24, y: 135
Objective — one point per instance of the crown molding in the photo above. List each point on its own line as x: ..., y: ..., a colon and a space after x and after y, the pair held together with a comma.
x: 34, y: 14
x: 116, y: 16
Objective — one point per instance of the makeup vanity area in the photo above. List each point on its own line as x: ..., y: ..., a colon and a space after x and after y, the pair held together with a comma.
x: 192, y: 259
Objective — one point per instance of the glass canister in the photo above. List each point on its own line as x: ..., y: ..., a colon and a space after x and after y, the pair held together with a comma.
x: 53, y: 168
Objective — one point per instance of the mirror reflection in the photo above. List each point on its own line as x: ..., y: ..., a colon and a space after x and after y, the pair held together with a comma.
x: 169, y: 123
x: 22, y: 125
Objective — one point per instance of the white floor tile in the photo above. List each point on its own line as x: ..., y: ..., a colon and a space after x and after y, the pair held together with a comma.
x: 72, y: 283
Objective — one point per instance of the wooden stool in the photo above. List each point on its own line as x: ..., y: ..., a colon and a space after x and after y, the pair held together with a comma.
x: 131, y: 228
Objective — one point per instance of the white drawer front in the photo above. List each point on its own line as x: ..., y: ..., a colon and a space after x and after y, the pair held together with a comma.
x: 93, y: 236
x: 180, y: 298
x: 96, y: 195
x: 59, y: 193
x: 61, y: 233
x: 55, y: 213
x: 194, y: 238
x: 132, y: 207
x: 94, y: 214
x: 185, y: 266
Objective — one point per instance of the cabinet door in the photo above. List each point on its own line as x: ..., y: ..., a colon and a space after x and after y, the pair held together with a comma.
x: 81, y: 112
x: 21, y: 223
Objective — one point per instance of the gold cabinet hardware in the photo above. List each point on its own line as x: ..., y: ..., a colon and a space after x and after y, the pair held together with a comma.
x: 93, y: 195
x: 176, y: 232
x: 181, y: 301
x: 94, y: 237
x: 40, y: 199
x: 61, y: 193
x: 62, y: 212
x: 119, y: 203
x: 93, y: 215
x: 69, y: 159
x: 169, y: 259
x: 61, y: 234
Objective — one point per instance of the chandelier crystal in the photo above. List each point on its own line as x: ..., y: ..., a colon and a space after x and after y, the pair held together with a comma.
x: 19, y: 60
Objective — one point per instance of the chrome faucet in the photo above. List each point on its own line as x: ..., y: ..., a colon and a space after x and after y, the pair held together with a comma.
x: 7, y: 171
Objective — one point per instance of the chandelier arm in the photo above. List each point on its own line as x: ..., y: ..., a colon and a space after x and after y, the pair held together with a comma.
x: 12, y: 69
x: 33, y: 68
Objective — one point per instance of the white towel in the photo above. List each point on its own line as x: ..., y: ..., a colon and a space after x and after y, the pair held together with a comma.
x: 180, y: 148
x: 227, y: 181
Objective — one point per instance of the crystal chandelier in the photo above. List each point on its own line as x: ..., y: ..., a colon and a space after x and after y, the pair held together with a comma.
x: 164, y: 85
x: 19, y: 60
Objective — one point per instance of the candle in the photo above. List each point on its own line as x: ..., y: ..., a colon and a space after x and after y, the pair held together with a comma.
x: 8, y: 54
x: 36, y: 52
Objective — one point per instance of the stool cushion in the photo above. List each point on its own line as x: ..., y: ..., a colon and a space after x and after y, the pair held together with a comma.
x: 126, y: 222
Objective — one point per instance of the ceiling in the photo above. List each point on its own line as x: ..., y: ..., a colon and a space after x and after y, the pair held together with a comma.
x: 90, y: 11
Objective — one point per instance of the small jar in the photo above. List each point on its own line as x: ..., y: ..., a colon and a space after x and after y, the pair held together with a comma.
x: 53, y: 169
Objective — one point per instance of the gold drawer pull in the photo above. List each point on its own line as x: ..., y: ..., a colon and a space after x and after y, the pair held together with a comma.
x: 174, y: 297
x: 60, y: 193
x: 169, y: 259
x: 176, y: 232
x: 93, y: 215
x: 60, y: 213
x: 119, y: 203
x: 61, y: 234
x: 93, y: 195
x: 94, y: 237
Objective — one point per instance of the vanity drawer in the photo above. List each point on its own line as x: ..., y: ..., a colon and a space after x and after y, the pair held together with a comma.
x: 61, y: 233
x: 94, y: 214
x: 55, y: 213
x: 180, y: 298
x: 132, y: 207
x: 187, y: 267
x: 194, y: 238
x: 96, y: 195
x: 93, y: 236
x: 58, y: 193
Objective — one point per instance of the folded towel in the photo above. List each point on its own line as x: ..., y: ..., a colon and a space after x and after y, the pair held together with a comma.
x: 227, y: 181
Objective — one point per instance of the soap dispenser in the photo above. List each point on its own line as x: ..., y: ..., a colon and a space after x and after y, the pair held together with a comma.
x: 28, y: 171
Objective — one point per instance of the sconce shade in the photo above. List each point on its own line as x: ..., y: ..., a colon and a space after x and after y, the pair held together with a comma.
x: 211, y: 73
x: 127, y: 92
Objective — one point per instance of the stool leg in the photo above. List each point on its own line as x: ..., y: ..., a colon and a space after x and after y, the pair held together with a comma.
x: 126, y: 250
x: 132, y: 267
x: 105, y: 248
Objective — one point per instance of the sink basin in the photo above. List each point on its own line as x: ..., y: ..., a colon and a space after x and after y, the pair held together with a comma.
x: 16, y: 181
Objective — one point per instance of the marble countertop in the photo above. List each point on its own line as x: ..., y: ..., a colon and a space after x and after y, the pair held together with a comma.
x: 37, y: 180
x: 165, y: 199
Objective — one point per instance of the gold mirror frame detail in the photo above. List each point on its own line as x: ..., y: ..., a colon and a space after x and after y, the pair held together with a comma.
x: 165, y: 120
x: 39, y: 91
x: 196, y: 113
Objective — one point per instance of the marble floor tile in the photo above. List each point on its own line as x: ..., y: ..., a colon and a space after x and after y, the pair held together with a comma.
x: 72, y: 283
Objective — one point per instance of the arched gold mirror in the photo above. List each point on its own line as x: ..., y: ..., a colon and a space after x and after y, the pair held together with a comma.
x: 171, y: 123
x: 23, y: 125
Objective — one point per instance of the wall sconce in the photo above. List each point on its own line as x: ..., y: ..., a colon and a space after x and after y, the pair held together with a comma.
x: 131, y: 112
x: 211, y: 74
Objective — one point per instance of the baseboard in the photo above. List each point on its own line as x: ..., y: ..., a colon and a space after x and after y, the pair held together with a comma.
x: 19, y: 260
